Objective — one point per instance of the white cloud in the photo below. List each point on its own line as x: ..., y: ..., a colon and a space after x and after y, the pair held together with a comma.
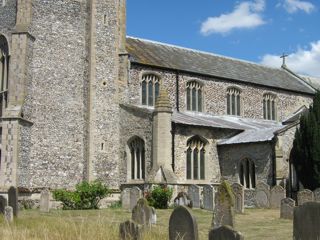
x: 292, y: 6
x: 245, y: 15
x: 303, y: 61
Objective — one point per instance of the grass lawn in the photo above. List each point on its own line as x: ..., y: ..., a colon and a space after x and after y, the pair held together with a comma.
x: 104, y: 224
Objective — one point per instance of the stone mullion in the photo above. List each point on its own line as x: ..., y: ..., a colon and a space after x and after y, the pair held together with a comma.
x: 1, y: 72
x: 192, y: 163
x: 5, y: 74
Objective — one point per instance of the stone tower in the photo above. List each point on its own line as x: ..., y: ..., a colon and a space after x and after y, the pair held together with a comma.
x: 60, y: 108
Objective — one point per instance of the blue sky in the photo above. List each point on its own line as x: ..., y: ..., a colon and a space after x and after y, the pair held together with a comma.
x: 254, y: 30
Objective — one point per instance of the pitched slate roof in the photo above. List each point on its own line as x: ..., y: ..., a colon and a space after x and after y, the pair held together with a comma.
x: 172, y: 57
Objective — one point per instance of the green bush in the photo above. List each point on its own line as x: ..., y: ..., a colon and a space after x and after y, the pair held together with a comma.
x: 159, y: 197
x: 86, y: 196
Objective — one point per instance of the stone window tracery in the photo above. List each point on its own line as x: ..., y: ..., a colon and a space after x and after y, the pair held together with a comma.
x: 194, y: 96
x: 233, y: 101
x: 150, y: 86
x: 247, y: 173
x: 137, y: 158
x: 4, y: 72
x: 269, y: 107
x: 196, y: 158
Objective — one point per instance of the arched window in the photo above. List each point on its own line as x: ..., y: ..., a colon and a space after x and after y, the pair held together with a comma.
x: 269, y: 107
x: 247, y: 173
x: 150, y: 86
x: 233, y: 101
x: 137, y: 158
x: 196, y: 158
x: 4, y: 72
x: 194, y: 96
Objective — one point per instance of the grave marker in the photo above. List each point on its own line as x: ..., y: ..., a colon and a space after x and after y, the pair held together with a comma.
x: 287, y: 207
x: 276, y: 195
x: 13, y: 200
x: 194, y: 194
x: 225, y: 233
x: 304, y: 196
x: 238, y: 192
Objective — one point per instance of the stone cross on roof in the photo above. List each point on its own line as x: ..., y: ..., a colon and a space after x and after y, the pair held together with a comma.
x: 284, y: 60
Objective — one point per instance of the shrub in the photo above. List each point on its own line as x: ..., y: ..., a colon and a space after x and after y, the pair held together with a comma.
x: 86, y: 196
x: 159, y: 197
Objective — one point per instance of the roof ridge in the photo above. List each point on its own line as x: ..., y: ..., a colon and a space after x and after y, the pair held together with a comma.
x: 204, y: 52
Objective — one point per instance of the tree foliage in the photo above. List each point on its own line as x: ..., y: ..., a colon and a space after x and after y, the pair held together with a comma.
x: 305, y: 153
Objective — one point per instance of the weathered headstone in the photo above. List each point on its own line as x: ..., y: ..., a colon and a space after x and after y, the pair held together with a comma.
x: 13, y: 200
x: 223, y: 213
x: 306, y: 221
x: 8, y: 214
x: 182, y: 225
x: 277, y: 193
x: 194, y: 194
x: 45, y: 200
x: 3, y: 204
x: 182, y: 199
x: 135, y: 195
x: 142, y: 213
x: 130, y: 230
x: 125, y: 198
x: 286, y: 209
x: 262, y: 195
x: 238, y: 192
x: 208, y: 197
x: 304, y: 196
x: 153, y: 216
x: 316, y: 194
x: 225, y: 233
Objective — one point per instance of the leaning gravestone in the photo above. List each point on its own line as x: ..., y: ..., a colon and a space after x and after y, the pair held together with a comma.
x: 223, y: 213
x: 13, y: 200
x: 238, y: 192
x: 287, y: 207
x: 130, y: 230
x: 182, y: 225
x: 125, y: 198
x: 262, y: 195
x: 135, y: 195
x: 304, y: 196
x: 194, y: 194
x: 182, y: 199
x: 316, y: 194
x: 3, y: 204
x: 306, y: 221
x: 276, y: 195
x: 225, y: 233
x: 208, y: 197
x: 8, y: 214
x: 142, y: 213
x: 45, y: 200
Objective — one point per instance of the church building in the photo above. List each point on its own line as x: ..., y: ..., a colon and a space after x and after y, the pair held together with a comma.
x: 80, y: 100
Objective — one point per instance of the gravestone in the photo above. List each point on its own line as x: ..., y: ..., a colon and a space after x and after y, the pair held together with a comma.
x: 182, y: 199
x: 142, y: 213
x: 125, y: 198
x: 306, y: 221
x: 223, y: 213
x: 45, y: 200
x: 208, y: 197
x: 224, y: 233
x: 262, y: 195
x: 135, y: 195
x: 8, y: 214
x: 182, y: 225
x: 277, y: 193
x: 238, y: 192
x: 154, y: 216
x: 316, y: 194
x: 3, y: 204
x: 287, y: 207
x: 194, y: 194
x: 304, y: 196
x: 13, y: 200
x: 130, y: 230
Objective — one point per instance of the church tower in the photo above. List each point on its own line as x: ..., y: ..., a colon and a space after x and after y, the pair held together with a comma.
x: 60, y: 64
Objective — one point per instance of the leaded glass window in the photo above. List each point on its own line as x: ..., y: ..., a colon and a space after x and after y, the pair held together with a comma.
x: 233, y: 101
x: 194, y: 96
x: 195, y: 159
x: 137, y: 154
x: 247, y: 173
x: 150, y: 87
x: 269, y: 107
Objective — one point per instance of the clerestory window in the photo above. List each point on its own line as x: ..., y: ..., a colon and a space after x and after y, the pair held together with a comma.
x: 247, y: 173
x: 150, y: 86
x: 233, y: 101
x: 194, y: 96
x: 269, y: 107
x: 196, y: 158
x: 137, y: 155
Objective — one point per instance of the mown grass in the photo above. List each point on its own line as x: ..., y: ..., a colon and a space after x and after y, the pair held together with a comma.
x: 104, y: 224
